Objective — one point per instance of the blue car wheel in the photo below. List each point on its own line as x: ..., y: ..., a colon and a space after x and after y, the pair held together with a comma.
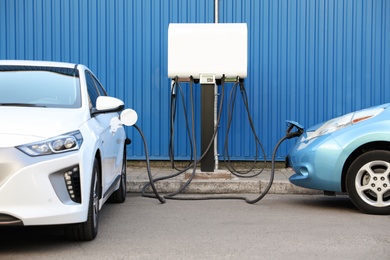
x: 368, y: 182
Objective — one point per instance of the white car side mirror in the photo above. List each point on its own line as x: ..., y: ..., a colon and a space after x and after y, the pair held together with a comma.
x: 108, y: 104
x: 128, y: 117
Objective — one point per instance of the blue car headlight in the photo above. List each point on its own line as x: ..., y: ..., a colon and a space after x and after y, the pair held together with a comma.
x: 345, y: 120
x: 59, y: 144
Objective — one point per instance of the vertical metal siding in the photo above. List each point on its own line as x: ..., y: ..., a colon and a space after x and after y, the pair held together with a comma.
x: 123, y: 42
x: 308, y: 60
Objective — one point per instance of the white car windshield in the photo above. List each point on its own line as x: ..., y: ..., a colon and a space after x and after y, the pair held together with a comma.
x: 39, y: 87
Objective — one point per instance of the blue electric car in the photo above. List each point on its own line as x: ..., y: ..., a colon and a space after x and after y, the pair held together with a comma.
x: 349, y: 154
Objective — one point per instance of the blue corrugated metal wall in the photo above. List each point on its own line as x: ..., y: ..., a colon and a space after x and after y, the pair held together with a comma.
x: 308, y: 60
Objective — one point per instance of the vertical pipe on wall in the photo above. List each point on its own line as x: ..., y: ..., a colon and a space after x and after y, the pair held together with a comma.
x: 216, y: 5
x: 216, y: 98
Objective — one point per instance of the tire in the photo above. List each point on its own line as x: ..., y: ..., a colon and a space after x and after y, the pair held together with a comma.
x: 88, y: 230
x: 368, y: 182
x: 119, y: 196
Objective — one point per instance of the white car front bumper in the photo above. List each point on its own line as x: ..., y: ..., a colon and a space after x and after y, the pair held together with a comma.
x: 33, y: 190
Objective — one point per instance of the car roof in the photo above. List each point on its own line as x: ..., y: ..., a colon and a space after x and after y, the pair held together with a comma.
x: 37, y: 63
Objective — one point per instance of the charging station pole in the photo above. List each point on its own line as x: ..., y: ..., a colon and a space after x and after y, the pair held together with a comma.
x: 207, y: 164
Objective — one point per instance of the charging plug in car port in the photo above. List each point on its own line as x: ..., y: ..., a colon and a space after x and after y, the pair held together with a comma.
x: 290, y: 126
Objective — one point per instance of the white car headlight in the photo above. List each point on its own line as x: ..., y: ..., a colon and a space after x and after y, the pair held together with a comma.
x: 346, y: 120
x: 59, y: 144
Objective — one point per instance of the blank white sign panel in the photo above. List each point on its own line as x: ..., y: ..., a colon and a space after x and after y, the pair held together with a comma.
x: 205, y: 48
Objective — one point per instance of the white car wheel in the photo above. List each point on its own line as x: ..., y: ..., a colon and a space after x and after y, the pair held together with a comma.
x: 88, y: 230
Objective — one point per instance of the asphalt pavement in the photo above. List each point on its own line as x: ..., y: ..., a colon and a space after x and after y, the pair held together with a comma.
x: 285, y: 227
x: 217, y: 182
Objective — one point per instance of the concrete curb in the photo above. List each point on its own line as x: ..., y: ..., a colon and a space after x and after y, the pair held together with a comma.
x: 137, y: 178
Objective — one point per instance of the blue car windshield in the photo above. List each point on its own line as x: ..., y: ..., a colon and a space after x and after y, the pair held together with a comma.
x: 31, y: 86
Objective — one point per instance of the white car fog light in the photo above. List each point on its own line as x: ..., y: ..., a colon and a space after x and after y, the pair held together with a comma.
x: 72, y: 182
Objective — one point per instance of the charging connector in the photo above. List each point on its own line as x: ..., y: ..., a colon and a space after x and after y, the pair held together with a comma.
x: 290, y: 126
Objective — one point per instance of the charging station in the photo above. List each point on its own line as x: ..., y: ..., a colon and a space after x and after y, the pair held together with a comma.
x: 207, y: 52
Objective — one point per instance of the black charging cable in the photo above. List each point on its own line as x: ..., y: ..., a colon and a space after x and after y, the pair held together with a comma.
x: 176, y: 86
x: 152, y: 181
x: 242, y: 174
x: 193, y: 165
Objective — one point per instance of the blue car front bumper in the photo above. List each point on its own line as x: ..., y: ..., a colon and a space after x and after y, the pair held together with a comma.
x: 317, y: 163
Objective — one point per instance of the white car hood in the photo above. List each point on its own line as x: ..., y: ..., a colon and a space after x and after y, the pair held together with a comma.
x: 21, y: 125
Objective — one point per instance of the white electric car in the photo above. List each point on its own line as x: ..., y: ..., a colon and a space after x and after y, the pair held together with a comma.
x: 62, y: 146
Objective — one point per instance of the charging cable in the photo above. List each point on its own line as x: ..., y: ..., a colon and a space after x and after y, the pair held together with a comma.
x: 193, y: 163
x: 162, y: 199
x: 242, y: 174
